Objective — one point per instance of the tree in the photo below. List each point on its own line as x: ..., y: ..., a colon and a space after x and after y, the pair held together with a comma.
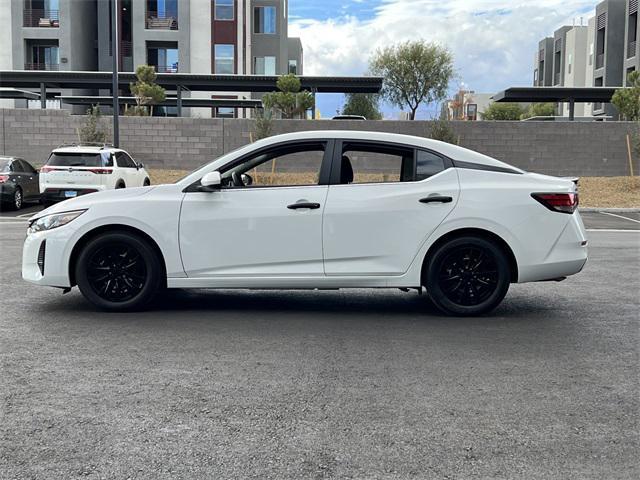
x: 539, y: 110
x: 503, y: 111
x: 264, y: 124
x: 414, y: 73
x: 365, y: 104
x: 441, y: 130
x: 146, y: 91
x: 290, y: 101
x: 627, y: 100
x: 90, y: 132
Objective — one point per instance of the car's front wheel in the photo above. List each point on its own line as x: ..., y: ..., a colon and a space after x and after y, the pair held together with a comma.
x: 119, y: 271
x: 467, y: 276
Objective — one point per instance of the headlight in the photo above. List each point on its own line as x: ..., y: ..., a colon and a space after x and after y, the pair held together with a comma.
x: 52, y: 221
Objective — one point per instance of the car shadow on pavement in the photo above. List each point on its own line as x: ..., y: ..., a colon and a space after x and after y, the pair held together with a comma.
x: 179, y: 304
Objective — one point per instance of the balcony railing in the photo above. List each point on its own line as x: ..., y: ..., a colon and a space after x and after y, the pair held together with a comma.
x: 166, y: 68
x: 156, y: 21
x: 556, y: 79
x: 42, y: 66
x: 631, y: 49
x: 37, y: 17
x: 600, y: 60
x: 126, y: 48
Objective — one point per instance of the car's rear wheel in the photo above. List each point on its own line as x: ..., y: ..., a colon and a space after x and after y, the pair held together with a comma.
x: 467, y: 276
x: 18, y: 199
x: 119, y: 271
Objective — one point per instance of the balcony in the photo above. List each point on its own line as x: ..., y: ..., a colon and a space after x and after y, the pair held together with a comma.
x: 556, y: 79
x: 160, y: 21
x: 37, y: 17
x: 42, y: 66
x: 599, y: 60
x: 631, y: 49
x: 166, y: 68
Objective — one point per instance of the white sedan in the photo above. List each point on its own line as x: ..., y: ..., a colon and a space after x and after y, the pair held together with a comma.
x: 318, y: 210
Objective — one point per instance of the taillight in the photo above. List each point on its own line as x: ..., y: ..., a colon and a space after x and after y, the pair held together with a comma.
x: 558, y: 202
x: 4, y: 178
x: 101, y: 171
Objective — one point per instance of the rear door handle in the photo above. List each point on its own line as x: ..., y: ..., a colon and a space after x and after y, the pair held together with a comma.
x: 301, y: 205
x: 436, y: 199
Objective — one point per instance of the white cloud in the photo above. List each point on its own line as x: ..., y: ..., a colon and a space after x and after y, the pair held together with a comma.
x: 493, y: 41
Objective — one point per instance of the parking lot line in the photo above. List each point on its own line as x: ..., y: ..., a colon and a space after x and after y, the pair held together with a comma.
x: 620, y: 216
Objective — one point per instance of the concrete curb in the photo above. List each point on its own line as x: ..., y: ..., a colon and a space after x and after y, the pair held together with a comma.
x: 610, y: 210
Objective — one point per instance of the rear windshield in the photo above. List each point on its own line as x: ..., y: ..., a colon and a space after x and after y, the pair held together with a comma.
x: 80, y: 160
x: 4, y: 165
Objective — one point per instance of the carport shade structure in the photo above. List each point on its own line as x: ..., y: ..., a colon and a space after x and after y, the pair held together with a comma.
x: 183, y: 81
x: 557, y: 94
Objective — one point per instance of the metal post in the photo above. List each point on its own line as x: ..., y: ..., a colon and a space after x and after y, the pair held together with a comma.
x: 572, y: 109
x: 179, y: 101
x: 313, y: 109
x: 114, y: 86
x: 43, y: 96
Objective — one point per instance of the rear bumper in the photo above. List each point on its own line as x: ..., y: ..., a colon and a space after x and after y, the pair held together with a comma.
x: 55, y: 195
x: 567, y: 256
x: 7, y: 191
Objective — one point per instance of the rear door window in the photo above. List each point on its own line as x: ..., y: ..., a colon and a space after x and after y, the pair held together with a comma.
x: 125, y: 161
x: 428, y: 164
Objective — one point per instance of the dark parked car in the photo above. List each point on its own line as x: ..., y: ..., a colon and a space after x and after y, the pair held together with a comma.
x: 18, y: 183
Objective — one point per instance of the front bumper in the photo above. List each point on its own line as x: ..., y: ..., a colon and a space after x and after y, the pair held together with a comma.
x: 54, y: 271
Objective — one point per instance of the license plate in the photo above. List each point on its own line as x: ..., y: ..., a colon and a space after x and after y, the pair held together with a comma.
x: 70, y: 194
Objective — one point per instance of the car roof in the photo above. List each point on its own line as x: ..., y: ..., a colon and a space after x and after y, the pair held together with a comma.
x: 85, y: 149
x: 454, y: 152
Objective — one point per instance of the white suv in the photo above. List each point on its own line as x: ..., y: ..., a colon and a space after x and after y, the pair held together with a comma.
x: 74, y: 170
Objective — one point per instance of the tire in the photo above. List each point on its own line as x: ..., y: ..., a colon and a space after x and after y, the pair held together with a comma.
x: 120, y: 185
x: 146, y: 183
x: 467, y: 276
x: 18, y: 199
x: 104, y: 278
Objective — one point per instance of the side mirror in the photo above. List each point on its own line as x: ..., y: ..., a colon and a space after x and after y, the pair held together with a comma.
x: 140, y: 165
x: 210, y: 182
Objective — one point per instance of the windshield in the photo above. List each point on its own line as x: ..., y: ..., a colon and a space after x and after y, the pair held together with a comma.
x: 4, y: 165
x: 80, y: 160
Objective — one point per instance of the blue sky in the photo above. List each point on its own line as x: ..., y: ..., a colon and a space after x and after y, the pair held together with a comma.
x: 493, y: 41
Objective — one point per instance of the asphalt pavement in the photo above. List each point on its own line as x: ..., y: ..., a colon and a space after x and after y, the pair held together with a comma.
x: 340, y: 384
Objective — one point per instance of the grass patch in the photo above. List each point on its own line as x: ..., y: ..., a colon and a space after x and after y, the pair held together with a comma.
x: 621, y: 192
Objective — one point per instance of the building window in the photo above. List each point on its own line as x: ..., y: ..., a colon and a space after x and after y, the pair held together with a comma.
x: 264, y: 20
x: 162, y: 14
x: 224, y: 10
x: 163, y: 56
x: 224, y: 59
x: 225, y: 112
x: 293, y: 67
x: 41, y: 13
x: 42, y: 55
x: 265, y: 66
x: 569, y: 63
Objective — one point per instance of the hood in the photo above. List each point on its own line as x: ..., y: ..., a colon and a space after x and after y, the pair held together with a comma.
x: 86, y: 201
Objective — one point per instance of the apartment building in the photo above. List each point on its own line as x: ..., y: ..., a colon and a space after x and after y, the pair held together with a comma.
x: 543, y: 64
x: 631, y: 44
x: 222, y: 37
x: 599, y: 54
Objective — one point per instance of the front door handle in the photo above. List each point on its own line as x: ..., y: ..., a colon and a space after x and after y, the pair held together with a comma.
x: 301, y: 205
x: 436, y: 199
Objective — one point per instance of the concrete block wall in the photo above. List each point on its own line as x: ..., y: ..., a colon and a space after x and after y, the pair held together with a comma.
x: 561, y: 148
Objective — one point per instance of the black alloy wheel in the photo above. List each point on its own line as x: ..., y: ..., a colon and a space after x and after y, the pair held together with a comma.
x: 468, y: 276
x: 119, y: 271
